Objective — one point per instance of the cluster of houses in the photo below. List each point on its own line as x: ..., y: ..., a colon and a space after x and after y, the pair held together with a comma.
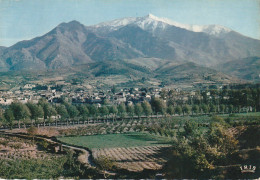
x: 126, y: 95
x: 28, y: 93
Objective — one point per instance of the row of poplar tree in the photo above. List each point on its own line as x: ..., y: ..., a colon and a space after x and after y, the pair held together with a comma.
x: 42, y: 111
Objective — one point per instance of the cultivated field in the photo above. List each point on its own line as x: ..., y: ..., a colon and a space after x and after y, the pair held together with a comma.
x: 134, y: 158
x: 13, y: 148
x: 131, y: 151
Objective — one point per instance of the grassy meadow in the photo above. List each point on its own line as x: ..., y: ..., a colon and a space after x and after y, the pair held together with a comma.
x: 134, y: 139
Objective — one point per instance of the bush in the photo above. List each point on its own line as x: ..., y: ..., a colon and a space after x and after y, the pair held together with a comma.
x: 105, y: 163
x: 44, y: 144
x: 32, y: 130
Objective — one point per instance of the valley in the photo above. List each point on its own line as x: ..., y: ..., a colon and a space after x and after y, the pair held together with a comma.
x: 137, y: 97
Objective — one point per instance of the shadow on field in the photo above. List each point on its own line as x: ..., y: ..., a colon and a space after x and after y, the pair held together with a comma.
x: 142, y: 137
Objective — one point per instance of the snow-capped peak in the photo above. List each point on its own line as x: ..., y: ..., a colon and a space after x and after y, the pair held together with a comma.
x: 151, y: 22
x: 164, y: 20
x: 152, y: 17
x: 209, y: 29
x: 117, y: 22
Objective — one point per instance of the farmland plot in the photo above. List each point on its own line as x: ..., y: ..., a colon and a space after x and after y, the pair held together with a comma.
x: 13, y: 148
x: 133, y: 151
x: 116, y: 140
x: 135, y: 158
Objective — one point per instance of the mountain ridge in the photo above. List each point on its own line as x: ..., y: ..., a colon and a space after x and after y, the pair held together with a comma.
x: 163, y: 22
x: 245, y: 68
x: 148, y: 37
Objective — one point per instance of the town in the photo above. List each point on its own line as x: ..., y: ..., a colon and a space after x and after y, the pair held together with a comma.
x: 129, y: 96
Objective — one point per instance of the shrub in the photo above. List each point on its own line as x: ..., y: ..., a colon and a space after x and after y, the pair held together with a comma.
x: 105, y: 163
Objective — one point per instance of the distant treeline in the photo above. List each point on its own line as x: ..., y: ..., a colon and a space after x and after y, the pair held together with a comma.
x: 236, y: 99
x: 226, y: 101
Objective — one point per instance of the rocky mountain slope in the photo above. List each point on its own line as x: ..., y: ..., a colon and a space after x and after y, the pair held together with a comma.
x: 245, y: 68
x: 126, y: 40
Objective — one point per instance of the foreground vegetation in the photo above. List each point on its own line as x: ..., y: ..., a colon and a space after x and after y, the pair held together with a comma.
x: 218, y: 153
x: 29, y: 169
x: 30, y: 159
x: 202, y: 147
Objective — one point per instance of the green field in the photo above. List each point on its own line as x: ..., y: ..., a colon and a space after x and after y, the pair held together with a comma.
x: 115, y: 140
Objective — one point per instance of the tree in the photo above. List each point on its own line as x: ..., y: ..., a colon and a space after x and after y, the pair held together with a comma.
x: 256, y: 98
x: 72, y: 111
x: 2, y: 118
x: 113, y: 110
x: 93, y: 110
x: 83, y: 111
x: 42, y: 101
x: 48, y: 110
x: 158, y: 105
x: 195, y: 109
x: 53, y: 112
x: 205, y: 97
x: 222, y: 108
x: 204, y: 108
x: 39, y: 112
x: 220, y: 139
x: 36, y: 111
x: 130, y: 110
x: 230, y: 108
x: 21, y: 111
x: 121, y: 109
x: 32, y: 131
x: 186, y: 161
x: 178, y: 110
x: 147, y: 108
x: 196, y: 154
x: 9, y: 117
x: 212, y: 108
x: 62, y: 111
x: 189, y: 127
x: 185, y: 109
x: 104, y: 111
x: 138, y: 110
x: 170, y: 110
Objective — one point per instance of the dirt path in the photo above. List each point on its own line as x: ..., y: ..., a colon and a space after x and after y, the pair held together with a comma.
x: 84, y: 157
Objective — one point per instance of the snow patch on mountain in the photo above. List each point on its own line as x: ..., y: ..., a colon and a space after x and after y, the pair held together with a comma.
x: 151, y: 23
x: 115, y: 24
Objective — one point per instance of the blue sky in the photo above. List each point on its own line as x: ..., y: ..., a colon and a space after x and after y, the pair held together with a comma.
x: 26, y: 19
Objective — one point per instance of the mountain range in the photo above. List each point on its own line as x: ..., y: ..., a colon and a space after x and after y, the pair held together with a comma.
x: 135, y: 41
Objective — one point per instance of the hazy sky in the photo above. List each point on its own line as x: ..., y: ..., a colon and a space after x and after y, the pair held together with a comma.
x: 26, y: 19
